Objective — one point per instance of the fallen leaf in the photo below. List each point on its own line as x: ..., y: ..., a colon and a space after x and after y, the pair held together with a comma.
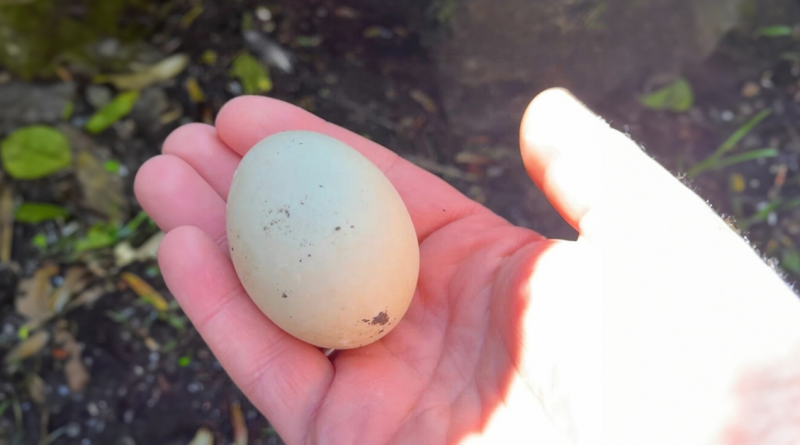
x: 117, y: 109
x: 74, y: 370
x: 251, y: 73
x: 75, y: 280
x: 774, y: 31
x: 6, y: 223
x: 124, y: 254
x: 268, y: 50
x: 427, y: 103
x: 35, y: 212
x: 677, y: 97
x: 36, y: 387
x: 35, y: 152
x: 164, y: 70
x: 196, y: 93
x: 189, y: 18
x: 28, y: 348
x: 145, y: 291
x: 103, y: 191
x: 99, y: 235
x: 202, y: 437
x: 87, y: 297
x: 239, y: 426
x: 33, y: 294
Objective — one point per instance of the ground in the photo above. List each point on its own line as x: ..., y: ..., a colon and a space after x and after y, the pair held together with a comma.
x: 121, y: 365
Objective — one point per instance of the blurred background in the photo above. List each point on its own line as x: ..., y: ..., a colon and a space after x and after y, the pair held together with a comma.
x: 96, y: 351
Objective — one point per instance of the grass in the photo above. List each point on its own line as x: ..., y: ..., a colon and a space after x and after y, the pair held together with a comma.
x: 719, y: 160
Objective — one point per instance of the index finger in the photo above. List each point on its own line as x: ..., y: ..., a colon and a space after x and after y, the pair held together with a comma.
x: 431, y: 202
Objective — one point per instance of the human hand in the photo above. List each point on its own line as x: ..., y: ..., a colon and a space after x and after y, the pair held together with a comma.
x: 511, y: 337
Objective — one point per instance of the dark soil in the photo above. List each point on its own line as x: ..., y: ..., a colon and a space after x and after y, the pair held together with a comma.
x: 153, y: 381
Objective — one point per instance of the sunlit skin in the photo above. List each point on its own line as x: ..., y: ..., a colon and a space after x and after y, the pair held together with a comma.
x: 654, y: 313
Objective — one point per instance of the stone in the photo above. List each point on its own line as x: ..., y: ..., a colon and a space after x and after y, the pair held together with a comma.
x: 497, y: 55
x: 24, y: 104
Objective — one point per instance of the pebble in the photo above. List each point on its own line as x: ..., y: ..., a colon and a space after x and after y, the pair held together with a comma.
x: 194, y: 387
x: 751, y: 89
x: 91, y: 407
x: 98, y: 96
x: 73, y: 430
x: 62, y: 390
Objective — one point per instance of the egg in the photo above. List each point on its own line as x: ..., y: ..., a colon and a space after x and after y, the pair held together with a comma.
x: 321, y: 240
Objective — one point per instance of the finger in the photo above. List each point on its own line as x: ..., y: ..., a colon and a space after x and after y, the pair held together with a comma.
x: 431, y: 202
x: 200, y: 147
x: 175, y: 195
x: 585, y: 167
x: 284, y: 377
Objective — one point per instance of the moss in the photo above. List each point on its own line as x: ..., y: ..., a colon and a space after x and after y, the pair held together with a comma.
x: 39, y: 35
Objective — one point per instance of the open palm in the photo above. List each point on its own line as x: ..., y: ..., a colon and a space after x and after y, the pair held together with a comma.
x: 443, y: 373
x: 511, y: 337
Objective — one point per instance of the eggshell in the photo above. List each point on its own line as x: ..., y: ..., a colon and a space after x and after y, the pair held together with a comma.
x: 321, y: 240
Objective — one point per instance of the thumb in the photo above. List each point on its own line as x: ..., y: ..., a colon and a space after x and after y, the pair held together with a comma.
x: 596, y: 177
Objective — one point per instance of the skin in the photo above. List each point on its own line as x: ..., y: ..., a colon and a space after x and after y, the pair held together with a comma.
x: 658, y: 325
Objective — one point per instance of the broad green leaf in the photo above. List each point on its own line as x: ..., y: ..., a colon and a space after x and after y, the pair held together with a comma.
x: 35, y: 152
x: 253, y: 75
x: 34, y: 212
x: 99, y: 236
x: 677, y: 96
x: 113, y: 112
x: 774, y: 31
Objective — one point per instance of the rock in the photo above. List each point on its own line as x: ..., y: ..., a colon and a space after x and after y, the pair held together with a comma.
x: 498, y: 55
x: 148, y: 109
x: 29, y: 103
x: 98, y: 96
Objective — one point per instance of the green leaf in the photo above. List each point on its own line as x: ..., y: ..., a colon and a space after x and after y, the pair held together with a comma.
x: 719, y: 163
x: 742, y: 131
x: 677, y: 96
x: 712, y: 161
x: 253, y: 75
x: 774, y: 31
x: 35, y: 152
x: 34, y: 212
x: 112, y: 166
x: 4, y: 406
x: 100, y: 235
x: 113, y: 112
x: 69, y: 108
x: 790, y: 261
x: 39, y: 240
x: 184, y: 361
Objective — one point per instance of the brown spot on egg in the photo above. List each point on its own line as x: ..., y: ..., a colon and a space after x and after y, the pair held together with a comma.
x: 284, y: 295
x: 380, y: 319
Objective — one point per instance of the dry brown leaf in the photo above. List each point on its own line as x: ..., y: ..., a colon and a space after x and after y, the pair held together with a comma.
x: 145, y: 291
x: 239, y: 427
x: 6, y: 223
x: 74, y: 370
x: 87, y: 297
x: 202, y: 437
x: 75, y: 280
x: 28, y: 347
x: 33, y: 295
x: 103, y: 191
x: 36, y: 386
x: 427, y: 103
x: 164, y: 70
